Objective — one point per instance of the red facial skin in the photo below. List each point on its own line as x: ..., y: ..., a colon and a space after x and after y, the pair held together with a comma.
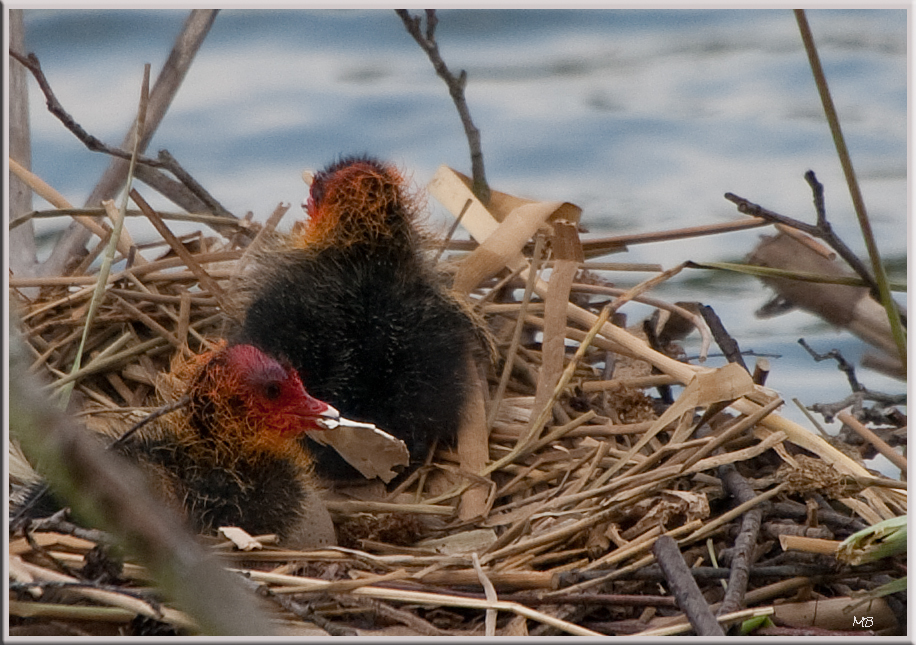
x: 273, y: 393
x: 251, y: 401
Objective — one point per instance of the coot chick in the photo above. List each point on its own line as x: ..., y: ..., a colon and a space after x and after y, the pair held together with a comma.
x: 230, y: 455
x: 354, y: 303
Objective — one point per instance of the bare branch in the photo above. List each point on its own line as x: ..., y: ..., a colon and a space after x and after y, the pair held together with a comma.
x: 192, y: 35
x: 822, y: 230
x: 455, y: 88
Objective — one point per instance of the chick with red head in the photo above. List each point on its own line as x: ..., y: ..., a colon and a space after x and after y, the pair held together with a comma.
x: 230, y: 456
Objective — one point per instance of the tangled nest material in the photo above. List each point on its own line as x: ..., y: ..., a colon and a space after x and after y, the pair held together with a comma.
x: 585, y: 468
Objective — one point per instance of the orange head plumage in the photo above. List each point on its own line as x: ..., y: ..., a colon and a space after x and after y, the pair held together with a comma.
x: 357, y: 199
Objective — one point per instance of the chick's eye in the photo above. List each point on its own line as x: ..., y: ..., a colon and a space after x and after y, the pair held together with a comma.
x: 272, y: 390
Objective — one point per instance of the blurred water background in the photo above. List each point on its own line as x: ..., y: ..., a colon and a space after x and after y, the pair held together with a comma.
x: 644, y: 118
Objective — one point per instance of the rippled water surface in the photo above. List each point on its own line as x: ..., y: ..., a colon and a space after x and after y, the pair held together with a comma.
x: 644, y: 118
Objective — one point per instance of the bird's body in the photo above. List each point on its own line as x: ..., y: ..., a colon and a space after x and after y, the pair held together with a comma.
x: 231, y: 456
x: 355, y: 305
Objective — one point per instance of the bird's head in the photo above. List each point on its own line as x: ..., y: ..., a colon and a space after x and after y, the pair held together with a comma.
x: 356, y: 199
x: 244, y: 397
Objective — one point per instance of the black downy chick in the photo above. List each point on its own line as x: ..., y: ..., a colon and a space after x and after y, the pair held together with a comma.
x: 353, y: 302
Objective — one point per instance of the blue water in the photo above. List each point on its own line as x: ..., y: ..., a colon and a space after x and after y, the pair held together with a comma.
x: 644, y: 118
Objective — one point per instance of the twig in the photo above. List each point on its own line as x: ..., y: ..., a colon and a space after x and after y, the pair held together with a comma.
x: 821, y: 231
x: 895, y: 457
x: 152, y: 416
x: 93, y: 143
x: 31, y: 63
x: 61, y: 567
x: 856, y: 399
x: 456, y: 87
x: 653, y: 573
x: 842, y: 364
x: 384, y: 610
x: 188, y: 42
x: 724, y: 340
x: 685, y: 588
x: 745, y: 543
x: 57, y: 523
x: 302, y: 610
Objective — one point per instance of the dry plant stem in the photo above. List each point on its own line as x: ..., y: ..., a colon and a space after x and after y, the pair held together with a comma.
x: 880, y: 276
x: 517, y: 332
x: 451, y: 231
x: 113, y: 598
x: 434, y: 599
x: 173, y: 190
x: 55, y: 611
x: 644, y: 286
x: 490, y: 591
x: 152, y: 271
x: 684, y: 587
x: 895, y: 457
x: 636, y: 382
x: 696, y: 319
x: 148, y: 347
x: 456, y: 87
x: 206, y: 280
x: 537, y: 424
x: 48, y: 193
x: 727, y: 618
x: 217, y: 223
x: 732, y: 431
x: 169, y: 337
x: 808, y: 545
x: 598, y: 246
x: 171, y: 164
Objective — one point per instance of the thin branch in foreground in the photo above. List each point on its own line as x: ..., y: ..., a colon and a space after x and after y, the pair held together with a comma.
x: 456, y: 85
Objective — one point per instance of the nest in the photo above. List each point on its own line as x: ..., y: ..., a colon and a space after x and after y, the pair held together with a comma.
x: 587, y: 463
